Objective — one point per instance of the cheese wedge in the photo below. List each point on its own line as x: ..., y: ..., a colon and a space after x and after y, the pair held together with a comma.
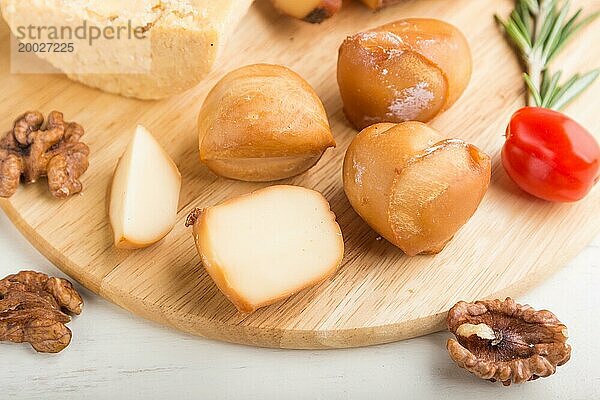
x: 186, y: 37
x: 144, y: 193
x: 267, y: 245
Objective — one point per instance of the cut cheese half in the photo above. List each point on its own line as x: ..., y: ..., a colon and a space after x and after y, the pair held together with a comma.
x: 186, y: 37
x: 267, y: 245
x: 144, y: 193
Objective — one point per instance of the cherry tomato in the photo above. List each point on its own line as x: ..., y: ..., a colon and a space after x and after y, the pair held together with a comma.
x: 550, y: 156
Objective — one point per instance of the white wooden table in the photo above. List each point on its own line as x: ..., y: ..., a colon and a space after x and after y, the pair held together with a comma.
x: 116, y: 355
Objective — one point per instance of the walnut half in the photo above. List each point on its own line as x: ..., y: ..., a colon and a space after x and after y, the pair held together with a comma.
x: 33, y: 149
x: 505, y: 341
x: 33, y: 309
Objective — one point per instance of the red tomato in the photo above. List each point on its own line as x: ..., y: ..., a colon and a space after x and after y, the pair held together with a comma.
x: 550, y: 156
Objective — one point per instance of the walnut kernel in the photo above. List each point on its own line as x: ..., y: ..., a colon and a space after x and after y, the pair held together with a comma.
x: 505, y: 341
x: 31, y: 150
x: 33, y: 309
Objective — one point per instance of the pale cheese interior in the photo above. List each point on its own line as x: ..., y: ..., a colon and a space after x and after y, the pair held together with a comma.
x: 273, y: 242
x: 145, y: 192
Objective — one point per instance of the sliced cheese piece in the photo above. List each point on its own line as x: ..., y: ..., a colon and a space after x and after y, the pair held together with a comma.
x: 186, y: 37
x: 144, y: 193
x: 267, y: 245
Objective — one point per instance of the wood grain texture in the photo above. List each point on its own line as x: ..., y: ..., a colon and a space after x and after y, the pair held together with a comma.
x: 379, y: 295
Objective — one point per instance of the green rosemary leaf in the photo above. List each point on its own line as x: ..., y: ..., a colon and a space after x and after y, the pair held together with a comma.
x: 587, y: 20
x: 556, y: 31
x: 578, y: 86
x: 539, y: 30
x: 561, y: 90
x: 533, y: 5
x: 571, y: 22
x: 548, y: 22
x: 545, y: 85
x: 546, y: 80
x: 519, y: 26
x: 522, y: 42
x: 570, y: 29
x: 533, y: 89
x: 524, y: 16
x: 551, y: 89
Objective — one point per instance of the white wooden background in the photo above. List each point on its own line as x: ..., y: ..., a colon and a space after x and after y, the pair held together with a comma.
x: 115, y: 355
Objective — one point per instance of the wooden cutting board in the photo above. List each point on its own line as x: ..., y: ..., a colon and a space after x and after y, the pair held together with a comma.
x: 379, y: 295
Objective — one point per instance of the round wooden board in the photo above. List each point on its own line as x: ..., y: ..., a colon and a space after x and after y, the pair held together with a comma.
x: 379, y: 295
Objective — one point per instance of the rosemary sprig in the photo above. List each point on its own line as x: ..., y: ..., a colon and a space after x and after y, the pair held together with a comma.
x: 539, y: 30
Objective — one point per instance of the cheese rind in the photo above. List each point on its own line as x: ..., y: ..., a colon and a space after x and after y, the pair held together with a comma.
x: 186, y: 37
x: 269, y: 244
x: 262, y: 123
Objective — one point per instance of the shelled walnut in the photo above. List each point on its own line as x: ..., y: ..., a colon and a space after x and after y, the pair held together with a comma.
x: 505, y: 341
x: 32, y: 150
x: 31, y: 310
